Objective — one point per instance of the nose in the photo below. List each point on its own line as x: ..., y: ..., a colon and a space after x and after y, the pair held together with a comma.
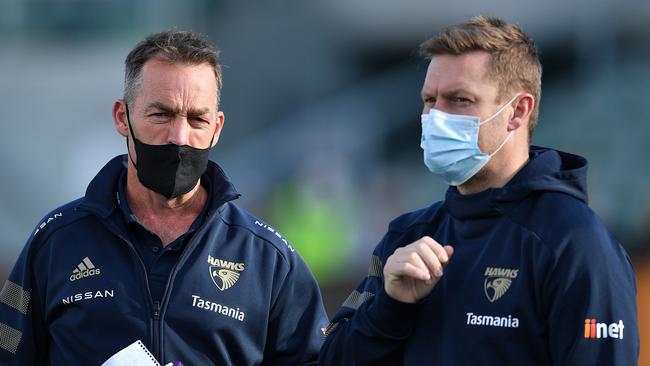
x: 439, y: 105
x: 179, y: 131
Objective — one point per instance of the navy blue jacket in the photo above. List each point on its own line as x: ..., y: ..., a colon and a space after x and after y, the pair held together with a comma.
x: 535, y: 279
x: 238, y: 295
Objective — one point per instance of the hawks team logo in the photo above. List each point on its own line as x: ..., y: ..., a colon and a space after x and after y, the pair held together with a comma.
x: 224, y: 274
x: 498, y: 281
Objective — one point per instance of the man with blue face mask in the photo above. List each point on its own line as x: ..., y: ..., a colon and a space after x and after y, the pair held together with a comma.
x: 513, y: 267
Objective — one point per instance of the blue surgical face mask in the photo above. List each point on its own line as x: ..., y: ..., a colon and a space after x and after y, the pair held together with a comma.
x: 450, y: 144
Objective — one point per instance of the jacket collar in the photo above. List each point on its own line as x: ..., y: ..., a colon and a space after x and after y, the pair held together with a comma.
x: 546, y: 171
x: 102, y: 196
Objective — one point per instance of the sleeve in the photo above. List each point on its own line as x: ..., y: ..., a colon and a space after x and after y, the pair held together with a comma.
x: 297, y: 320
x: 22, y: 330
x: 370, y: 327
x: 591, y: 302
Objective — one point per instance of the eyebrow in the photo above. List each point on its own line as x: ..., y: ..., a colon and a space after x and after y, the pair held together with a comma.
x: 448, y: 93
x: 175, y: 110
x: 455, y: 92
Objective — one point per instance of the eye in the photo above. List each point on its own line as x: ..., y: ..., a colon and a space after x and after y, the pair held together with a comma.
x: 199, y: 122
x: 430, y: 100
x: 462, y: 101
x: 159, y: 117
x: 158, y: 114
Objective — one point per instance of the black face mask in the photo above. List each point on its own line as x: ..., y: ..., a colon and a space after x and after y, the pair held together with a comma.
x: 170, y: 169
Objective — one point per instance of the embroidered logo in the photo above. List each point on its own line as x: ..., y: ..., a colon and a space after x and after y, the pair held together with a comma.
x: 595, y: 330
x: 224, y: 274
x: 84, y: 269
x: 88, y: 295
x: 493, y: 321
x: 44, y: 223
x: 498, y: 281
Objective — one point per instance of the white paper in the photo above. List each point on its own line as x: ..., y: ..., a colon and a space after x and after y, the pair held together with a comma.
x: 135, y: 354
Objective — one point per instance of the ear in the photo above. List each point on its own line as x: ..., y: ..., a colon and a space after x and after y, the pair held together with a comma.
x: 522, y: 112
x: 221, y: 118
x: 119, y: 117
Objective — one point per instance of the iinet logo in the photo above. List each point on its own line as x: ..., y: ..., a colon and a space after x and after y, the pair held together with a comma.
x: 595, y: 330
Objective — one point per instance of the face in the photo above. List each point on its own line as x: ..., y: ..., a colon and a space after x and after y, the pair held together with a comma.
x: 458, y: 85
x: 174, y: 104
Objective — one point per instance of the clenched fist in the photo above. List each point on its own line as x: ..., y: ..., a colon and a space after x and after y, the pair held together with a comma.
x: 412, y: 271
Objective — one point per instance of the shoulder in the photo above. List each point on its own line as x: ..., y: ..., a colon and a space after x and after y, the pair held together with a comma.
x: 247, y: 224
x: 570, y: 230
x: 407, y: 228
x: 582, y: 253
x: 415, y: 219
x: 559, y: 219
x: 55, y: 220
x: 57, y: 225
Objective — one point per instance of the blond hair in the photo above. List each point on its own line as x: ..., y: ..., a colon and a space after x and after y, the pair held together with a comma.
x: 514, y: 62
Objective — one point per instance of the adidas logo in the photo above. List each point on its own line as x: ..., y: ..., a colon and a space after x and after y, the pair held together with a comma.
x: 84, y: 269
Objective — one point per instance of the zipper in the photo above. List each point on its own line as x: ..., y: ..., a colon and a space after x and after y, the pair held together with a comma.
x: 157, y: 333
x: 155, y: 306
x: 189, y: 246
x: 156, y: 330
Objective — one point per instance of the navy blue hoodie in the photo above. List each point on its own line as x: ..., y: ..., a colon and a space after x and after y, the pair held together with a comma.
x: 238, y: 295
x: 535, y: 279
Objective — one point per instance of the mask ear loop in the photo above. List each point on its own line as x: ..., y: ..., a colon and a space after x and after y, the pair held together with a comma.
x: 493, y: 116
x: 503, y: 143
x: 128, y: 120
x: 212, y: 139
x: 499, y: 111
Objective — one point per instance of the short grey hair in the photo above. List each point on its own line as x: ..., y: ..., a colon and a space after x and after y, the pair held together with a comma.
x: 177, y: 47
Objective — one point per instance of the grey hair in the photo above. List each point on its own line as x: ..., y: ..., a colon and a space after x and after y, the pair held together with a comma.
x: 177, y: 47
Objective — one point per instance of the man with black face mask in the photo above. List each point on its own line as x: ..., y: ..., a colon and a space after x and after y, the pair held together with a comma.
x: 156, y: 250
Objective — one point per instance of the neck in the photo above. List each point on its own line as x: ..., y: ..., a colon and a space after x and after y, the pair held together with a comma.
x: 497, y: 172
x: 167, y: 218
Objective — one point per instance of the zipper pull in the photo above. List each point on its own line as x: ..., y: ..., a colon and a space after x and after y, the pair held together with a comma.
x: 156, y: 310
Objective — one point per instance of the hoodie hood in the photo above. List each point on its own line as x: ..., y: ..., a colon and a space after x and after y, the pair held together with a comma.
x: 547, y: 170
